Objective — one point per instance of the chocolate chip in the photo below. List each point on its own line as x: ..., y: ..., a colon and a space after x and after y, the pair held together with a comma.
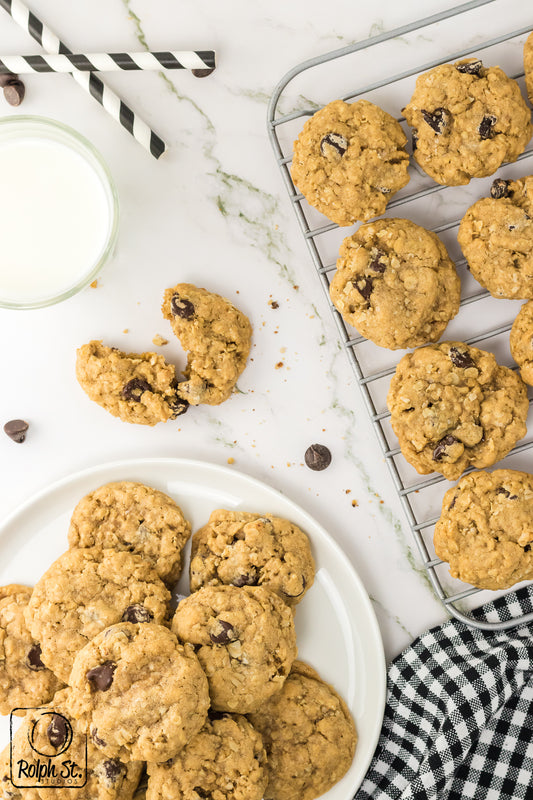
x: 137, y: 613
x: 57, y: 731
x: 376, y: 265
x: 452, y: 503
x: 335, y: 141
x: 134, y: 389
x: 14, y: 91
x: 437, y: 120
x: 246, y: 579
x: 486, y: 126
x: 499, y: 189
x: 179, y: 406
x: 113, y: 769
x: 202, y: 73
x: 527, y: 548
x: 317, y: 457
x: 507, y: 494
x: 460, y: 359
x: 34, y: 658
x: 96, y: 739
x: 226, y: 635
x: 181, y: 307
x: 414, y: 139
x: 440, y: 449
x: 202, y: 793
x: 470, y: 67
x: 16, y: 429
x: 364, y: 286
x: 101, y: 677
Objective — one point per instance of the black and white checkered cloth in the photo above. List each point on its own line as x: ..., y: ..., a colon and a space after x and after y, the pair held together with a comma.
x: 459, y: 716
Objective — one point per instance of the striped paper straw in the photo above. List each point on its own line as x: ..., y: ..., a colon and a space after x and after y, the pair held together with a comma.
x: 88, y: 80
x: 109, y: 62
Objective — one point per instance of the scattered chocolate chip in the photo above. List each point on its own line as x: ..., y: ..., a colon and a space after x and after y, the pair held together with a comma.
x: 437, y: 120
x: 506, y: 493
x: 527, y: 548
x: 460, y: 359
x: 499, y: 189
x: 179, y: 406
x: 181, y: 307
x: 113, y: 769
x: 14, y: 90
x: 202, y: 73
x: 101, y: 677
x: 16, y: 429
x: 202, y: 793
x: 470, y: 67
x: 246, y: 579
x: 335, y: 141
x: 317, y: 457
x: 34, y: 658
x: 486, y: 126
x: 376, y: 265
x: 226, y: 635
x: 452, y: 503
x: 365, y: 286
x: 137, y: 613
x: 414, y: 139
x: 440, y: 449
x: 96, y: 739
x: 134, y: 389
x: 57, y: 731
x: 304, y: 584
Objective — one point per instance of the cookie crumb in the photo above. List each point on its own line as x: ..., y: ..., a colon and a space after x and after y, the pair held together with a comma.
x: 94, y: 284
x: 126, y: 330
x: 347, y: 491
x: 231, y: 460
x: 273, y: 304
x: 279, y: 365
x: 159, y: 340
x: 355, y: 503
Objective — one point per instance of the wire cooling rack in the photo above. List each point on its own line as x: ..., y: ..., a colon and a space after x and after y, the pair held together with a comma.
x: 482, y: 320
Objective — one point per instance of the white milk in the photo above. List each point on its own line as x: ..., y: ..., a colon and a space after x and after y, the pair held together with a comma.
x: 55, y: 219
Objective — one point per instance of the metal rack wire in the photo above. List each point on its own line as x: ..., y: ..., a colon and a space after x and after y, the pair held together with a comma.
x: 410, y: 488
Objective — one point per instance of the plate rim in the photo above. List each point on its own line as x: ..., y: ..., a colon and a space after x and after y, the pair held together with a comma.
x: 146, y: 461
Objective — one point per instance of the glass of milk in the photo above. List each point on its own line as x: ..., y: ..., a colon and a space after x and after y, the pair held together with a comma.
x: 59, y: 212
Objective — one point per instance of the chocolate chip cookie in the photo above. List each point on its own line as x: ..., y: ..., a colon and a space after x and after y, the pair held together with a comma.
x: 522, y: 342
x: 217, y: 337
x: 85, y: 591
x: 24, y: 679
x: 7, y: 790
x: 57, y: 736
x: 528, y: 66
x: 244, y: 549
x: 396, y: 284
x: 226, y: 760
x: 145, y: 694
x: 496, y: 237
x: 131, y: 516
x: 452, y: 407
x: 468, y: 119
x: 485, y: 530
x: 309, y: 736
x: 349, y: 160
x: 136, y: 387
x: 245, y: 640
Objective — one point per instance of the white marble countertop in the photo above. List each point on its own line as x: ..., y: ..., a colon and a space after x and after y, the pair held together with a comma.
x: 214, y: 212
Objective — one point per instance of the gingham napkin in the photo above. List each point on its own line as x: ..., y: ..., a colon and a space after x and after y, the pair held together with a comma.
x: 459, y: 716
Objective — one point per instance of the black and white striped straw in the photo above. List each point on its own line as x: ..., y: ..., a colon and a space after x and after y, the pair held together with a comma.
x: 109, y: 62
x: 92, y: 84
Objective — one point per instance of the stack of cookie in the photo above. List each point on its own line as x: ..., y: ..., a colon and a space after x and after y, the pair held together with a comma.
x: 453, y: 407
x: 203, y: 698
x: 143, y: 388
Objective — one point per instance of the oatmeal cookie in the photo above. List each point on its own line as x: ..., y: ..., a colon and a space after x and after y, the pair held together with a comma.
x: 528, y: 66
x: 134, y: 517
x: 309, y: 736
x: 396, y: 284
x: 137, y: 387
x: 244, y: 549
x: 217, y: 337
x: 226, y: 760
x: 468, y: 119
x: 522, y: 342
x: 453, y: 406
x: 496, y: 237
x: 485, y: 530
x: 7, y: 790
x: 145, y: 694
x: 24, y: 679
x: 245, y: 640
x: 85, y: 591
x: 349, y: 160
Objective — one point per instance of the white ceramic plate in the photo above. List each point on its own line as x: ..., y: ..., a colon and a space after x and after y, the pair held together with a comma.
x: 337, y: 632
